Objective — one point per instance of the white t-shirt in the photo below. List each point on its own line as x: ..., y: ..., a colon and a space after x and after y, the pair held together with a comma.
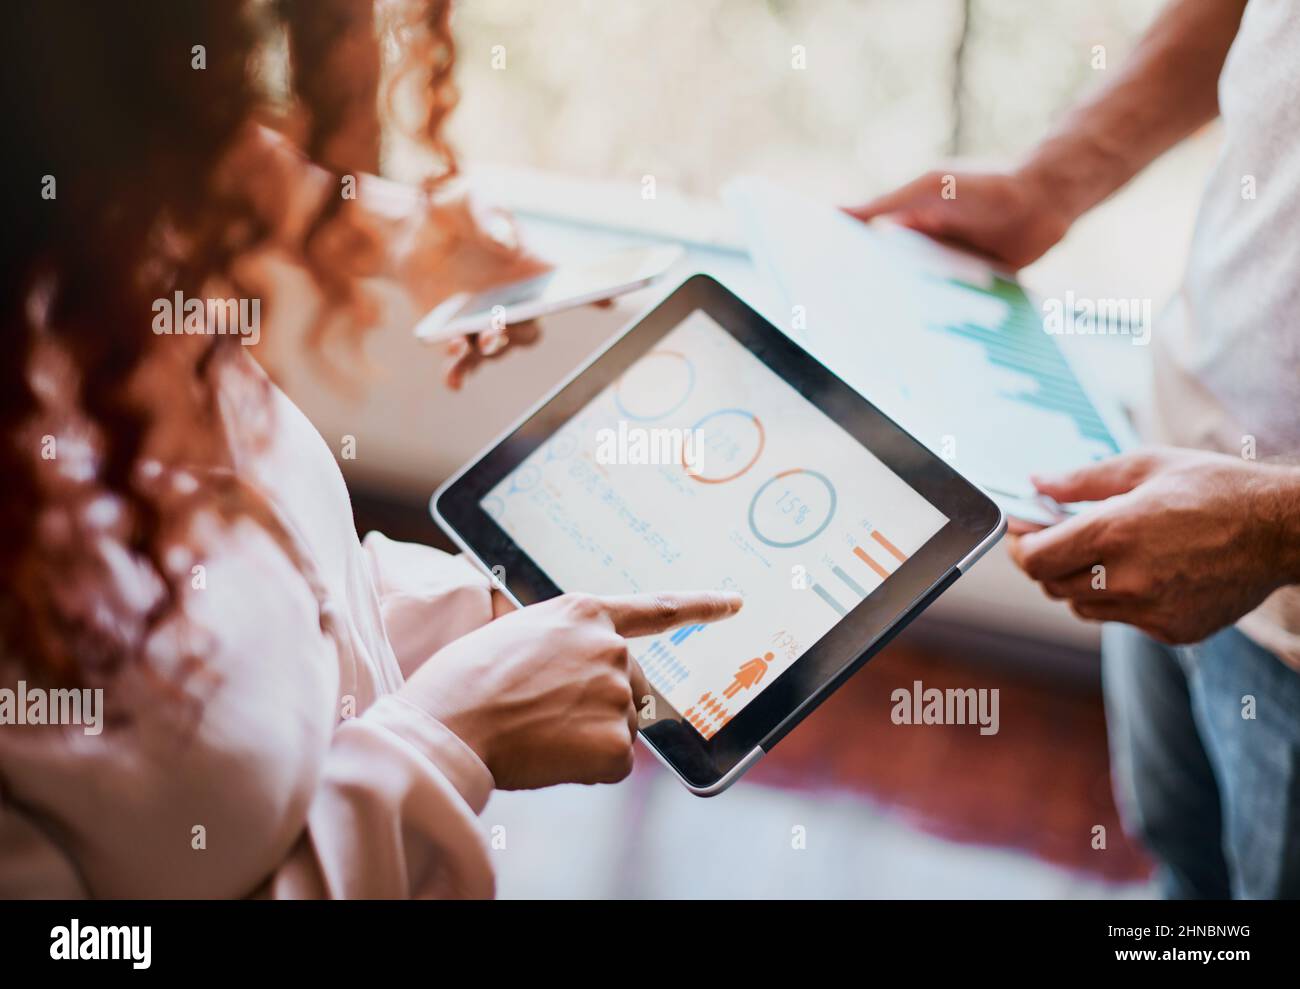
x: 1227, y: 351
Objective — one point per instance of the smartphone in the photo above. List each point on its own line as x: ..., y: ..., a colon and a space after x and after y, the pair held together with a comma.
x: 564, y: 287
x: 1035, y: 508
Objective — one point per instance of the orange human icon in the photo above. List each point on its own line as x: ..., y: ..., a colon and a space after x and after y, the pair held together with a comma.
x: 750, y: 673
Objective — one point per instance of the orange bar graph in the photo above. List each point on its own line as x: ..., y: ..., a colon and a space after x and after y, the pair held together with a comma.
x: 861, y: 554
x: 894, y: 550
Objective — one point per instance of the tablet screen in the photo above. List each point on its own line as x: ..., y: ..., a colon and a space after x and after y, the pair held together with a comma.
x: 700, y: 468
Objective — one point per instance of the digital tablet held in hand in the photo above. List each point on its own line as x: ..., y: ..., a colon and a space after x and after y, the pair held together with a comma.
x: 703, y: 449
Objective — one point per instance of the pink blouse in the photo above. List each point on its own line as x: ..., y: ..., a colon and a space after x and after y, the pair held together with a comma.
x: 290, y: 764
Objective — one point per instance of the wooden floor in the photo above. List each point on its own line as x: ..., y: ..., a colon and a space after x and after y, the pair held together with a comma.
x: 1040, y: 786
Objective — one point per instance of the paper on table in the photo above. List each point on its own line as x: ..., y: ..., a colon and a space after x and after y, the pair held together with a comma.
x: 939, y: 340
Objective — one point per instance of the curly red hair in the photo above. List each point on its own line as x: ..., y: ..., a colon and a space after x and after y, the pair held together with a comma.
x: 116, y: 199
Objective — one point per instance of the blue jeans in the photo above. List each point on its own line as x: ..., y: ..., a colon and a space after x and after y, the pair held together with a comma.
x: 1213, y: 795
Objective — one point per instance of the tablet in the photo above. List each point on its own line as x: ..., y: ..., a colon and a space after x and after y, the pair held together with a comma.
x: 704, y: 449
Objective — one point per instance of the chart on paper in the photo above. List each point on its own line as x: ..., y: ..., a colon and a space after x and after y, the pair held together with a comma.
x: 940, y: 341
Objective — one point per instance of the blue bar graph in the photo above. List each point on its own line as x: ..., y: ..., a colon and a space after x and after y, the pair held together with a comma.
x: 825, y: 595
x: 1020, y: 344
x: 661, y: 667
x: 852, y: 584
x: 682, y: 634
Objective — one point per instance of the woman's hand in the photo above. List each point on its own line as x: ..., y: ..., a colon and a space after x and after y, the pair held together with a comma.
x: 548, y: 694
x: 462, y: 247
x: 463, y: 354
x: 436, y: 249
x: 1011, y: 217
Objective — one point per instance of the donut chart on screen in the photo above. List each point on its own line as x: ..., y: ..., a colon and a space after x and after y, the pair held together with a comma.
x: 656, y: 386
x: 792, y: 508
x: 731, y: 441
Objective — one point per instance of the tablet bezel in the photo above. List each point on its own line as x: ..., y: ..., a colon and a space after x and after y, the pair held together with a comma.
x: 975, y: 523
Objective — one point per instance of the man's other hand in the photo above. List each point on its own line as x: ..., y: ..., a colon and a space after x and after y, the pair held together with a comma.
x: 1183, y: 544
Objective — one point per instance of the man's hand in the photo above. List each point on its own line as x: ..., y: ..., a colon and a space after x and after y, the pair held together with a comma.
x: 1013, y: 218
x: 1163, y: 91
x: 1185, y: 542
